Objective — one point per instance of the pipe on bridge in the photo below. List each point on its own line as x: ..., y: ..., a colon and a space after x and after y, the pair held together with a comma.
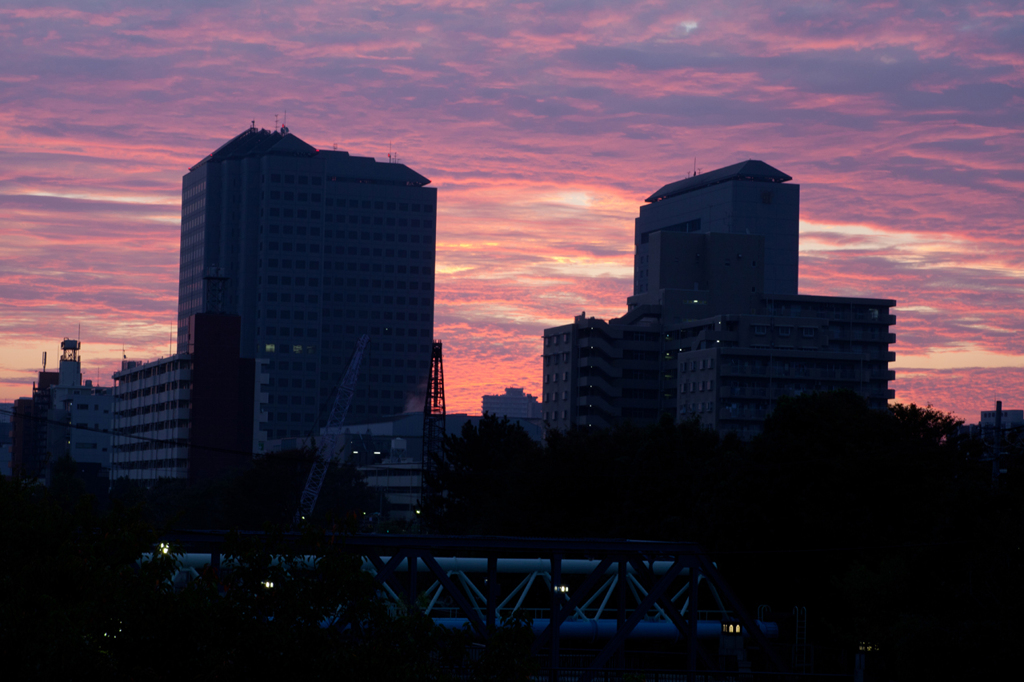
x: 606, y: 628
x: 465, y: 564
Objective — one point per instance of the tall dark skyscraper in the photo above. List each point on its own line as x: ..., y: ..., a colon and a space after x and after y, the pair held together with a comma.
x: 312, y: 248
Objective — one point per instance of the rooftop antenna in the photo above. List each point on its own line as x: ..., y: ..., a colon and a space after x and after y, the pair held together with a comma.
x: 44, y: 360
x: 124, y: 356
x: 335, y: 146
x: 275, y: 123
x: 695, y: 165
x: 253, y: 126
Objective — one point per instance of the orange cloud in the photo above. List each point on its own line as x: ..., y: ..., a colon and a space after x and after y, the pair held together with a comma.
x: 543, y: 128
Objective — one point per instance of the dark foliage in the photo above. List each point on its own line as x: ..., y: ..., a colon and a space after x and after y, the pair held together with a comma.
x: 266, y: 493
x: 76, y: 602
x: 885, y: 525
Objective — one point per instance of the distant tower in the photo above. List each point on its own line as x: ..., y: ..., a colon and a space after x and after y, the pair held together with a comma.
x: 433, y: 414
x: 70, y: 363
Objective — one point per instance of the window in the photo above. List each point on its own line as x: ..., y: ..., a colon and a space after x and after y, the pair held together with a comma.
x: 785, y: 331
x: 808, y: 332
x: 760, y: 330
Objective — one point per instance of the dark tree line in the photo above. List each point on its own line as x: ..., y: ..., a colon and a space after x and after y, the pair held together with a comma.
x: 76, y: 602
x: 264, y: 494
x: 885, y: 525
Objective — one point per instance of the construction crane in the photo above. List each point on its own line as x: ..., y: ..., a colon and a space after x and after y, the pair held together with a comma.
x: 330, y: 435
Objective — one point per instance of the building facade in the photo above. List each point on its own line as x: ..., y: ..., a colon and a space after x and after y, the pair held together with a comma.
x: 513, y: 403
x: 715, y: 330
x: 313, y: 248
x: 80, y: 414
x: 30, y: 435
x: 194, y: 415
x: 64, y: 417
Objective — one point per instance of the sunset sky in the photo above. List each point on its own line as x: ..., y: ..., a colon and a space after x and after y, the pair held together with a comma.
x: 543, y: 127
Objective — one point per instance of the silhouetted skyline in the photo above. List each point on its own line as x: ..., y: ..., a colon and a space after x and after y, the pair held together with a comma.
x: 543, y: 130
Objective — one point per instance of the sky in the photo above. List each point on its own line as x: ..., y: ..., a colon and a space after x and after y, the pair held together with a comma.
x: 543, y: 127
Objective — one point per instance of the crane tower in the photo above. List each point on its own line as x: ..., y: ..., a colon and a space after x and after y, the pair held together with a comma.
x: 433, y: 417
x: 329, y: 438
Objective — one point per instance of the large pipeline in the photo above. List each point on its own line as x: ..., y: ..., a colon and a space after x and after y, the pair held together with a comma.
x: 605, y: 628
x: 464, y: 564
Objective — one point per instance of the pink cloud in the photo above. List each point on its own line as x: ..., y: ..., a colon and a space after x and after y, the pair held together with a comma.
x: 543, y: 128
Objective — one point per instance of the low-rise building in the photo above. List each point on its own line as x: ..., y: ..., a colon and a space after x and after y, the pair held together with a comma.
x: 30, y: 441
x: 194, y: 415
x: 389, y: 454
x: 513, y: 403
x: 64, y: 417
x: 80, y: 413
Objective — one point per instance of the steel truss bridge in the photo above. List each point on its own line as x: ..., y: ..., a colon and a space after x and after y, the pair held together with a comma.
x: 594, y: 595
